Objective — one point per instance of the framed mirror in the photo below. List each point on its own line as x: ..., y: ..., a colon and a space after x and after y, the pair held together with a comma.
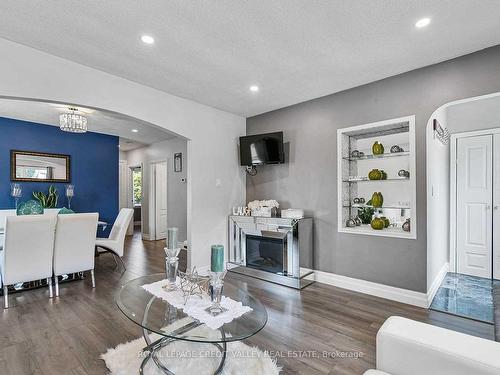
x: 39, y: 167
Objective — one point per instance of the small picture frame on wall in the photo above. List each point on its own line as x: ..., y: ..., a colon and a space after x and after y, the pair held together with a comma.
x: 178, y: 162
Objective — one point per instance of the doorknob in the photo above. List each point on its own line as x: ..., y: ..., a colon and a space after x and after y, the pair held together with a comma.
x: 488, y: 207
x: 495, y: 207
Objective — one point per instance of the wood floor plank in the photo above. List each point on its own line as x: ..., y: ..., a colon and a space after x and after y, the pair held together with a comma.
x: 66, y: 335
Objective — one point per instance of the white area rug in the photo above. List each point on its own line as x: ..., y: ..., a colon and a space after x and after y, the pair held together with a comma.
x: 182, y: 357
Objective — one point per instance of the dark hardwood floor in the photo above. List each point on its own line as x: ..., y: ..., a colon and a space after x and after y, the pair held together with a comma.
x: 66, y: 335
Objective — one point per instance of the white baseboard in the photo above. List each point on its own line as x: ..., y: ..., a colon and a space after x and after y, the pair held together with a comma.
x: 146, y: 237
x: 374, y: 289
x: 431, y: 292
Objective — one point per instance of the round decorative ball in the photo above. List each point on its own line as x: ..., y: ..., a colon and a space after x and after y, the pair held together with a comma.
x: 403, y: 173
x: 406, y: 225
x: 350, y: 223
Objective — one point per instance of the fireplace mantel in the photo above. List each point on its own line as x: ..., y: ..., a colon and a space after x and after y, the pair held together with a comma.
x: 275, y: 249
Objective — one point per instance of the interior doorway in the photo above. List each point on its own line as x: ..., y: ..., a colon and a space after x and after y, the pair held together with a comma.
x: 158, y: 202
x: 475, y: 194
x: 463, y: 196
x: 137, y: 197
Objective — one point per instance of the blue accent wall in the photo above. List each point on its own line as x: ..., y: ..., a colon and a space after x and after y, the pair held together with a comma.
x: 94, y: 166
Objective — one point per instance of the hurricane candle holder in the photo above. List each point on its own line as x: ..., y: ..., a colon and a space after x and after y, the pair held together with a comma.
x: 70, y: 193
x: 171, y: 268
x: 216, y: 285
x: 16, y: 192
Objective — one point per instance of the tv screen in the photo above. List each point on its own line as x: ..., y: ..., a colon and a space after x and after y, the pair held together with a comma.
x: 262, y: 149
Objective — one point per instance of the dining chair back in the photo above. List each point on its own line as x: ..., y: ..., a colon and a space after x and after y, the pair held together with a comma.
x: 74, y: 245
x: 119, y: 230
x: 28, y: 250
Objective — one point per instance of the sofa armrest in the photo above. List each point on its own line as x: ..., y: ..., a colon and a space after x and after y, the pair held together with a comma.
x: 406, y: 347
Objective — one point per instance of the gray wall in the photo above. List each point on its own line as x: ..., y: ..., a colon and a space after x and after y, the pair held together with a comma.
x: 309, y: 178
x: 476, y: 115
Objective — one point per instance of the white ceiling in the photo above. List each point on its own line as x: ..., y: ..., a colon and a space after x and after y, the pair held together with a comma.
x: 97, y: 121
x: 212, y: 51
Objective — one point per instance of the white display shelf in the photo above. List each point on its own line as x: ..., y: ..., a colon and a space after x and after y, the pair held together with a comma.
x: 354, y: 205
x: 382, y: 156
x: 352, y: 183
x: 386, y: 232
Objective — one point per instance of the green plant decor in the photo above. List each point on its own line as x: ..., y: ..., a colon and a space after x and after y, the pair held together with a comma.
x: 365, y: 214
x: 48, y: 200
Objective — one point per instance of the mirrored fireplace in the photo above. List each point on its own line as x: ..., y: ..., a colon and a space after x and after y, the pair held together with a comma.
x: 275, y: 249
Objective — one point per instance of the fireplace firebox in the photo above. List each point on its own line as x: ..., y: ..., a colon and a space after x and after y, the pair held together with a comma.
x: 265, y: 253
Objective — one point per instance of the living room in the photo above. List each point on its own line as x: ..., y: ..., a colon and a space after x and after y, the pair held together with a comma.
x: 326, y: 133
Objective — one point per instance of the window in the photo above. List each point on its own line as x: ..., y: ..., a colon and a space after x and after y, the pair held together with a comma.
x: 137, y: 186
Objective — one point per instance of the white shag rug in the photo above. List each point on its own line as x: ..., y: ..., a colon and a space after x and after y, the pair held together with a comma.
x: 183, y: 357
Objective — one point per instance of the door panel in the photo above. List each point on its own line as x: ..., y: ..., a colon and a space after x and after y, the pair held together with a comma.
x: 161, y: 200
x: 474, y: 201
x: 496, y: 206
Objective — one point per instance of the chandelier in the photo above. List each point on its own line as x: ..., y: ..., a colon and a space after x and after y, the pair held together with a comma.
x: 72, y: 122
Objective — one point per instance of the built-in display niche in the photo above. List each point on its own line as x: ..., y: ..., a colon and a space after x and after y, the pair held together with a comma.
x: 376, y: 178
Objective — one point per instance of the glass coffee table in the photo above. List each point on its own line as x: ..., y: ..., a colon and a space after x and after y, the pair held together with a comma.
x: 157, y: 316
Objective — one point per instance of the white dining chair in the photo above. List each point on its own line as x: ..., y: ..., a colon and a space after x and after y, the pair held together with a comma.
x: 74, y: 245
x: 3, y: 215
x: 27, y: 252
x: 115, y: 243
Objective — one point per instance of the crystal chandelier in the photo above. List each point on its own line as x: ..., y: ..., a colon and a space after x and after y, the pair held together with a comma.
x: 72, y: 122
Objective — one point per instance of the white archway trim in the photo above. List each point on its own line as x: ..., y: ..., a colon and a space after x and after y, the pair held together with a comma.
x: 27, y: 73
x: 435, y: 275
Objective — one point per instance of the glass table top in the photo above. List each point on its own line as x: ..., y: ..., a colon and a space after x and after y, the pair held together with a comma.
x: 157, y: 315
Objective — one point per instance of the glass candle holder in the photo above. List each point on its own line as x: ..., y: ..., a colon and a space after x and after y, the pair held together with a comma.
x: 216, y: 284
x: 70, y: 193
x: 16, y: 192
x: 171, y: 268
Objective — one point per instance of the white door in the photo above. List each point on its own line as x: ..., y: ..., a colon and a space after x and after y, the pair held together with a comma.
x: 161, y: 200
x: 123, y: 188
x: 496, y: 206
x: 474, y: 201
x: 124, y: 196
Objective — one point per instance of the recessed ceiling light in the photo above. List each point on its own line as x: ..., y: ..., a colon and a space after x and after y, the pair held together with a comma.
x: 148, y: 39
x: 254, y: 88
x: 135, y: 131
x: 423, y: 22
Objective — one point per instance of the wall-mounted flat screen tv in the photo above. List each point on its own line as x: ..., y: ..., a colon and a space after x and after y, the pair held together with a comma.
x: 262, y: 149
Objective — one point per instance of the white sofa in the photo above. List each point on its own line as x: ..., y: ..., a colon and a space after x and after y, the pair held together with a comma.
x: 407, y: 347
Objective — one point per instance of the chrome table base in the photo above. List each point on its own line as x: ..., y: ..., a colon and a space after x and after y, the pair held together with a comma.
x: 153, y: 349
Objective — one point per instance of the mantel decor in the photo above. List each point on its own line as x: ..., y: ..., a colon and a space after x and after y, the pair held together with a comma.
x: 30, y: 166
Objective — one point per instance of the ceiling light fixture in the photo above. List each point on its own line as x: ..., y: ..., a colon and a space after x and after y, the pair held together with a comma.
x: 254, y: 88
x: 72, y: 122
x: 135, y: 131
x: 148, y: 39
x: 423, y: 22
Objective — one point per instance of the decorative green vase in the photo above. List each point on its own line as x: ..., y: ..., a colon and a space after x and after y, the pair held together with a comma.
x: 30, y: 207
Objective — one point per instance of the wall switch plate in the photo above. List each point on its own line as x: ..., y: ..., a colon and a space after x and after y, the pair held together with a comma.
x: 218, y: 182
